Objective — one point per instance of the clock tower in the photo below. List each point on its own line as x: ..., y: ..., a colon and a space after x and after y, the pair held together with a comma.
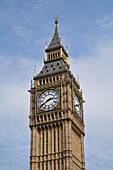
x: 56, y: 113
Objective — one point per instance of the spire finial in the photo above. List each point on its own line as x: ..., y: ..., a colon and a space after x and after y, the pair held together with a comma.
x: 67, y: 48
x: 46, y: 44
x: 31, y: 83
x: 78, y: 79
x: 56, y: 19
x: 34, y: 71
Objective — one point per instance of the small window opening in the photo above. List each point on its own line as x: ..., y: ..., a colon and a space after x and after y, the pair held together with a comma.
x: 40, y: 82
x: 45, y: 117
x: 38, y: 119
x: 58, y: 54
x: 47, y: 80
x: 48, y: 57
x: 50, y: 79
x: 53, y: 78
x: 57, y: 78
x: 52, y: 116
x: 60, y: 115
x: 53, y: 56
x: 43, y: 81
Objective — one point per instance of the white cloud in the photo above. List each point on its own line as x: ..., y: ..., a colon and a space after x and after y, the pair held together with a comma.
x: 14, y: 134
x: 96, y: 78
x: 22, y: 31
x: 15, y: 69
x: 95, y: 72
x: 15, y: 74
x: 106, y: 21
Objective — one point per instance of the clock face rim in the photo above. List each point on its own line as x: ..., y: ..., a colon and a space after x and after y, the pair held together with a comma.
x: 78, y: 105
x: 53, y: 99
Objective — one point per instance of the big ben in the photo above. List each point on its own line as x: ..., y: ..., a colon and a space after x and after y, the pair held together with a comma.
x: 56, y: 113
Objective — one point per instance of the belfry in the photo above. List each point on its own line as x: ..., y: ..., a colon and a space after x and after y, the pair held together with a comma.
x: 56, y: 113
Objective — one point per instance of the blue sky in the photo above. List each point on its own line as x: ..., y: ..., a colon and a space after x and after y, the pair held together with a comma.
x: 86, y: 27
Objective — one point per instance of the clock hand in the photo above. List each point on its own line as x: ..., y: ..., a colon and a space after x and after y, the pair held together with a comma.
x: 47, y: 101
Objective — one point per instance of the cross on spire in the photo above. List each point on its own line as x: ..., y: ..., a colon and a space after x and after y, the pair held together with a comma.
x: 56, y: 19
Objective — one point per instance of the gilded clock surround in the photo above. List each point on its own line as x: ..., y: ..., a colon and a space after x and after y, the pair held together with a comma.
x: 81, y: 106
x: 58, y: 106
x: 57, y: 135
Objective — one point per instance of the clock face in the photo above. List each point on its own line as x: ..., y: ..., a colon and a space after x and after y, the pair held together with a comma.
x: 48, y: 99
x: 77, y: 105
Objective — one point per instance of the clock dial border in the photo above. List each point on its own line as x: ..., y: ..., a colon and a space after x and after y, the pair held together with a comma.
x: 40, y: 92
x: 48, y: 99
x: 79, y: 114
